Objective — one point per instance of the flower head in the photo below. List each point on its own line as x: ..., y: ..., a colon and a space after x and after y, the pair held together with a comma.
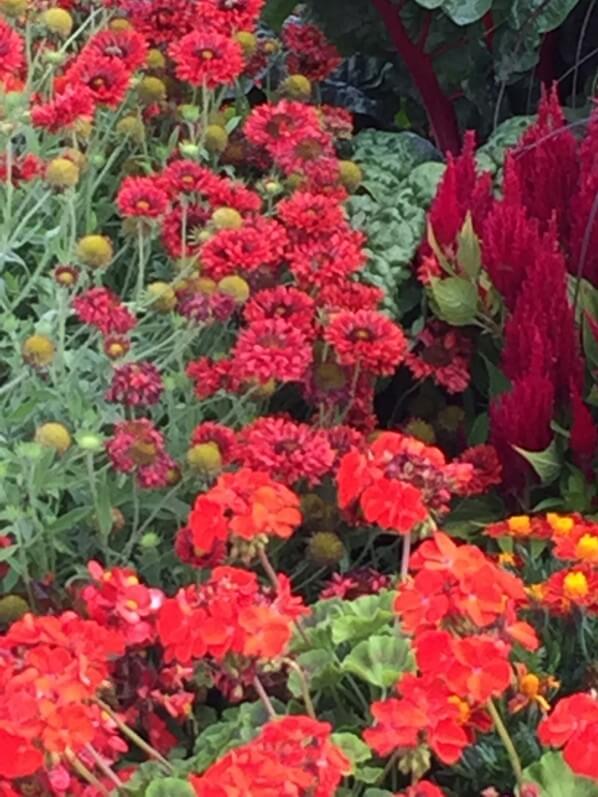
x: 368, y: 339
x: 205, y: 57
x: 135, y: 384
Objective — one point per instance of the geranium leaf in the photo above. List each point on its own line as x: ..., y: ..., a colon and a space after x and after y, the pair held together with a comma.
x: 380, y: 660
x: 556, y: 779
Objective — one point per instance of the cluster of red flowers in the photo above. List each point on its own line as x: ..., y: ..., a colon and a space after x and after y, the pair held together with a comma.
x: 297, y: 751
x: 399, y: 480
x: 229, y: 615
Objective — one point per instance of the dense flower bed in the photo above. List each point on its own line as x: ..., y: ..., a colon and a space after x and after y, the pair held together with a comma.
x: 227, y: 568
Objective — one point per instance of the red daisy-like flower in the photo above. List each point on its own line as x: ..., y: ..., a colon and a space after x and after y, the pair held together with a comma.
x: 135, y: 385
x: 22, y: 169
x: 160, y: 21
x: 209, y: 376
x: 443, y: 355
x: 126, y: 46
x: 101, y: 308
x: 352, y: 297
x: 187, y: 177
x: 320, y: 261
x: 304, y: 212
x: 137, y: 446
x: 221, y: 436
x: 140, y: 196
x: 254, y: 246
x: 367, y: 338
x: 282, y: 302
x: 272, y: 349
x: 72, y: 105
x: 278, y: 127
x: 228, y: 16
x: 106, y: 78
x: 207, y: 58
x: 11, y: 51
x: 288, y: 451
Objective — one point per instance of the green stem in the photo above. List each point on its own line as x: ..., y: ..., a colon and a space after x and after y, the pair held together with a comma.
x: 135, y: 738
x: 91, y: 477
x: 507, y: 742
x: 304, y: 687
x: 405, y: 556
x: 141, y: 268
x: 104, y: 766
x: 263, y: 696
x: 85, y: 773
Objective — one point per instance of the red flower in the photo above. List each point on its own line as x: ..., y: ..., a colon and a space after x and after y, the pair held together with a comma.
x: 106, y: 78
x: 480, y: 668
x: 424, y: 714
x: 22, y: 169
x: 272, y: 349
x: 288, y: 451
x: 181, y: 228
x: 137, y: 446
x: 311, y: 213
x: 367, y: 338
x: 74, y: 104
x: 573, y: 725
x: 423, y: 788
x: 101, y: 308
x: 161, y: 21
x: 135, y: 384
x: 229, y: 16
x: 285, y: 302
x: 204, y: 57
x: 140, y: 196
x: 257, y: 245
x: 584, y: 433
x: 208, y: 375
x: 487, y: 470
x: 310, y: 53
x: 127, y: 46
x: 350, y: 296
x: 19, y: 757
x: 325, y: 260
x: 11, y: 51
x: 221, y: 436
x: 394, y: 505
x: 278, y: 127
x: 442, y: 355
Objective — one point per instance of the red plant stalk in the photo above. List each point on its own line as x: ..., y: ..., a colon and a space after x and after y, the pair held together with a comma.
x: 440, y: 111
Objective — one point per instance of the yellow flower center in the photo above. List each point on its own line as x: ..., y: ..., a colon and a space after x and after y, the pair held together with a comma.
x: 529, y: 685
x: 587, y: 548
x: 560, y: 524
x: 519, y: 524
x: 575, y: 585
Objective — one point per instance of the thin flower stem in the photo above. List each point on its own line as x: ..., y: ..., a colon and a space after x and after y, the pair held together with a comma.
x: 263, y: 696
x: 405, y: 556
x: 297, y: 669
x: 104, y: 766
x: 135, y: 738
x: 272, y: 578
x: 507, y: 742
x: 141, y: 267
x: 85, y: 773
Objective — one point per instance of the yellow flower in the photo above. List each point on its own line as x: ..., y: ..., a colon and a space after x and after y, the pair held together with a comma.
x: 95, y: 251
x: 38, y: 350
x: 53, y: 435
x: 519, y: 525
x: 575, y: 585
x: 62, y: 173
x: 13, y: 8
x: 587, y: 548
x: 163, y: 296
x: 560, y: 524
x: 58, y: 21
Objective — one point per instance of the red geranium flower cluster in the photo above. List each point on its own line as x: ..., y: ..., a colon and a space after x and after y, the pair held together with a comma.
x: 52, y: 669
x: 230, y: 614
x: 116, y: 599
x: 458, y: 587
x: 246, y: 505
x: 573, y: 725
x: 297, y: 751
x: 398, y: 480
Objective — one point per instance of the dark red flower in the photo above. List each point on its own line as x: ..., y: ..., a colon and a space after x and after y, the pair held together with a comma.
x: 310, y: 53
x: 207, y: 58
x: 106, y: 78
x: 11, y: 51
x: 74, y: 104
x: 101, y: 308
x: 368, y: 339
x: 135, y: 384
x: 127, y: 46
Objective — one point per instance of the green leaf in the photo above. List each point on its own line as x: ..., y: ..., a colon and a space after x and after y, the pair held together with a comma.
x: 478, y: 434
x: 320, y: 670
x: 369, y: 774
x: 455, y: 300
x: 363, y: 617
x: 276, y: 12
x: 169, y: 787
x: 356, y: 751
x: 497, y: 381
x: 469, y: 251
x: 464, y: 12
x: 471, y: 514
x: 547, y: 463
x: 556, y: 779
x: 539, y: 14
x: 380, y: 660
x: 377, y: 793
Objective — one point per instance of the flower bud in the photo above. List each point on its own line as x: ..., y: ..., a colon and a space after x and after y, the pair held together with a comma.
x: 215, y: 139
x: 351, y: 175
x: 55, y: 436
x: 296, y: 87
x: 58, y: 21
x: 62, y: 173
x: 227, y: 219
x: 94, y: 251
x: 38, y: 350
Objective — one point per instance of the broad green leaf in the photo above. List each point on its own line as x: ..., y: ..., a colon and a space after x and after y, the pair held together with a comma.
x: 497, y: 381
x: 478, y: 434
x: 320, y: 670
x: 556, y: 779
x: 276, y: 12
x: 363, y: 617
x: 437, y: 249
x: 469, y: 251
x: 170, y: 787
x: 464, y: 12
x: 455, y: 300
x: 356, y: 751
x: 369, y: 774
x: 471, y: 514
x: 547, y: 464
x: 377, y: 793
x: 539, y: 14
x: 380, y: 660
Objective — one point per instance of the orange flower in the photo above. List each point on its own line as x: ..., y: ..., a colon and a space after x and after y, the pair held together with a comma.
x: 531, y: 690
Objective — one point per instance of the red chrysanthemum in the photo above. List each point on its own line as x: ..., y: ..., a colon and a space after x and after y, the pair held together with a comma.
x: 271, y: 349
x: 257, y: 245
x: 284, y: 302
x: 72, y: 105
x: 228, y: 16
x: 140, y: 196
x: 11, y: 51
x: 289, y: 451
x: 349, y: 296
x: 487, y: 470
x: 160, y: 21
x: 322, y: 261
x: 368, y: 339
x: 209, y: 376
x: 22, y: 168
x: 135, y: 385
x: 106, y: 78
x: 102, y: 309
x: 207, y: 58
x: 278, y: 127
x: 304, y: 212
x: 137, y: 446
x: 127, y: 46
